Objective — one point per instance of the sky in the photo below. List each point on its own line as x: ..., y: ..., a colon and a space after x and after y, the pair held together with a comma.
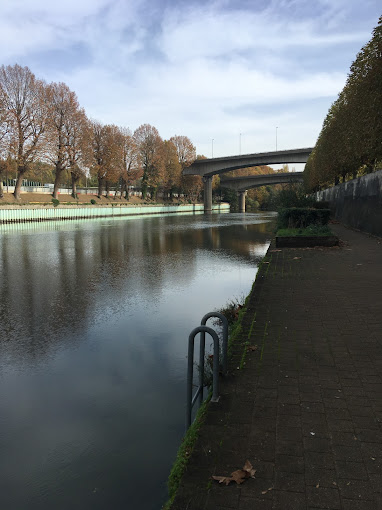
x: 236, y: 77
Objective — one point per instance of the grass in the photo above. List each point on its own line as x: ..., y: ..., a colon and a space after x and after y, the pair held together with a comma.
x: 184, y: 453
x: 311, y: 230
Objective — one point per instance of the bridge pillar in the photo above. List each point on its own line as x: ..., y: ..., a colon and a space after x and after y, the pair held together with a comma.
x: 207, y: 179
x: 242, y: 200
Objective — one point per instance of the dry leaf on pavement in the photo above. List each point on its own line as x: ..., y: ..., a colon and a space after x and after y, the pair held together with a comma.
x: 239, y: 475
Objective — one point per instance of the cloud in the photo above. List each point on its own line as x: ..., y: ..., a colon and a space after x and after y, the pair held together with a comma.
x: 205, y: 70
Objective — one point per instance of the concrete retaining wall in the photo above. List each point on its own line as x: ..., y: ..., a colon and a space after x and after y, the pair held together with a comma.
x: 22, y: 215
x: 357, y: 203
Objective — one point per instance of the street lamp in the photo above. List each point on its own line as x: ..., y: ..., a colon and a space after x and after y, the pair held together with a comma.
x: 240, y: 144
x: 212, y: 147
x: 276, y: 137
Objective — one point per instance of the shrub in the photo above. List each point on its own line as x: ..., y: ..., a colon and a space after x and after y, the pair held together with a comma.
x: 55, y: 202
x: 301, y: 217
x: 92, y: 201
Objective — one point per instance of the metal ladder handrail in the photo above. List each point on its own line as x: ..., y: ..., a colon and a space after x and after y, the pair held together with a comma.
x: 224, y: 321
x: 190, y: 369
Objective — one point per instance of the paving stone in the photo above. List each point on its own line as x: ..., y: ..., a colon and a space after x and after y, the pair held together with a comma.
x: 356, y: 489
x: 289, y: 463
x: 286, y: 500
x: 351, y: 470
x: 323, y: 497
x: 289, y: 481
x: 319, y: 460
x: 353, y: 504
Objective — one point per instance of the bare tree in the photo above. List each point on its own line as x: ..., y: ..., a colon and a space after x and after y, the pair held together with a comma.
x: 24, y: 98
x: 149, y: 152
x: 185, y: 149
x: 130, y: 170
x: 78, y: 146
x: 63, y: 108
x: 172, y: 169
x: 4, y: 140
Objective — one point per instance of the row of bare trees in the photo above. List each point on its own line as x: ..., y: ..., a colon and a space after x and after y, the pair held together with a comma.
x: 42, y: 122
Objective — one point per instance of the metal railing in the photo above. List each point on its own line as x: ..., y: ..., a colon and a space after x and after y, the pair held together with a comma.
x: 203, y: 329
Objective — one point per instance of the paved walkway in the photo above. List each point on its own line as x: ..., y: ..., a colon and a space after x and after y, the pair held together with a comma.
x: 306, y: 411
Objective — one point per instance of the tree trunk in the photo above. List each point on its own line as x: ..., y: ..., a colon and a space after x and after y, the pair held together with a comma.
x: 100, y: 187
x: 57, y: 180
x: 124, y: 189
x: 20, y: 175
x: 75, y: 179
x: 1, y: 187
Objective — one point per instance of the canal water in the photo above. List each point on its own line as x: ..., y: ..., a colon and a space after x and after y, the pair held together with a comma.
x: 95, y: 318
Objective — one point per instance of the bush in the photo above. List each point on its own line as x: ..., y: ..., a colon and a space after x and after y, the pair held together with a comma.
x: 92, y: 201
x: 55, y: 202
x: 293, y: 195
x: 302, y: 217
x: 311, y: 230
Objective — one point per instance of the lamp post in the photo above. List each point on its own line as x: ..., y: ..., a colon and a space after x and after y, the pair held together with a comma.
x: 239, y: 144
x: 212, y: 147
x: 276, y: 137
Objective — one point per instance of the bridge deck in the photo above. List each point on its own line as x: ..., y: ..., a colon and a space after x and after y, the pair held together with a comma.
x: 209, y: 167
x: 307, y: 408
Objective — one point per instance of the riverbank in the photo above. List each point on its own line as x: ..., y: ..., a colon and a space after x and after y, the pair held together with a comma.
x: 306, y: 410
x: 37, y: 213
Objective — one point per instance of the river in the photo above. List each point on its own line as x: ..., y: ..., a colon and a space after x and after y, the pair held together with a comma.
x: 95, y: 318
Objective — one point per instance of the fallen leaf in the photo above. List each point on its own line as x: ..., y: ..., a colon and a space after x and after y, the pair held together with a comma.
x: 248, y: 468
x: 317, y: 486
x: 312, y: 433
x: 238, y: 476
x: 223, y: 479
x: 296, y: 258
x: 252, y: 348
x: 264, y: 492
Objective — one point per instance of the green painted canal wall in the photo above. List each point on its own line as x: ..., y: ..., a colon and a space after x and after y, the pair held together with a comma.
x: 24, y: 215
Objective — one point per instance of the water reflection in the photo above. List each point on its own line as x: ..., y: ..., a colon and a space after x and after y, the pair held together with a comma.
x: 95, y: 318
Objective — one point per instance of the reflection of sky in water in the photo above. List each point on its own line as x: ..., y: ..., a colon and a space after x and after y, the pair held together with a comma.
x: 95, y: 320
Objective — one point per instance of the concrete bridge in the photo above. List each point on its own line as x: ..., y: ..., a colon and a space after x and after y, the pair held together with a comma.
x: 207, y: 168
x: 244, y: 183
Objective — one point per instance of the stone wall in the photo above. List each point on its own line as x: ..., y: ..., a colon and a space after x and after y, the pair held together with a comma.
x: 357, y: 203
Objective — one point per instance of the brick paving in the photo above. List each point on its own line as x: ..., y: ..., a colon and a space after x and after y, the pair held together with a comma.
x: 306, y: 410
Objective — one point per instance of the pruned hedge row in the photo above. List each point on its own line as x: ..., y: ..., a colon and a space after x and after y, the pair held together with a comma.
x: 301, y: 217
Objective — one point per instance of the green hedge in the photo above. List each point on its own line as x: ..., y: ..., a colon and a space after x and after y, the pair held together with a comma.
x: 301, y: 217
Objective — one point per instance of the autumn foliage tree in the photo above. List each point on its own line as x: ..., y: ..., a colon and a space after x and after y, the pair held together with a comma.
x: 149, y: 157
x: 172, y: 169
x: 45, y: 134
x: 78, y: 136
x: 24, y: 98
x: 107, y: 149
x: 350, y: 142
x: 63, y: 111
